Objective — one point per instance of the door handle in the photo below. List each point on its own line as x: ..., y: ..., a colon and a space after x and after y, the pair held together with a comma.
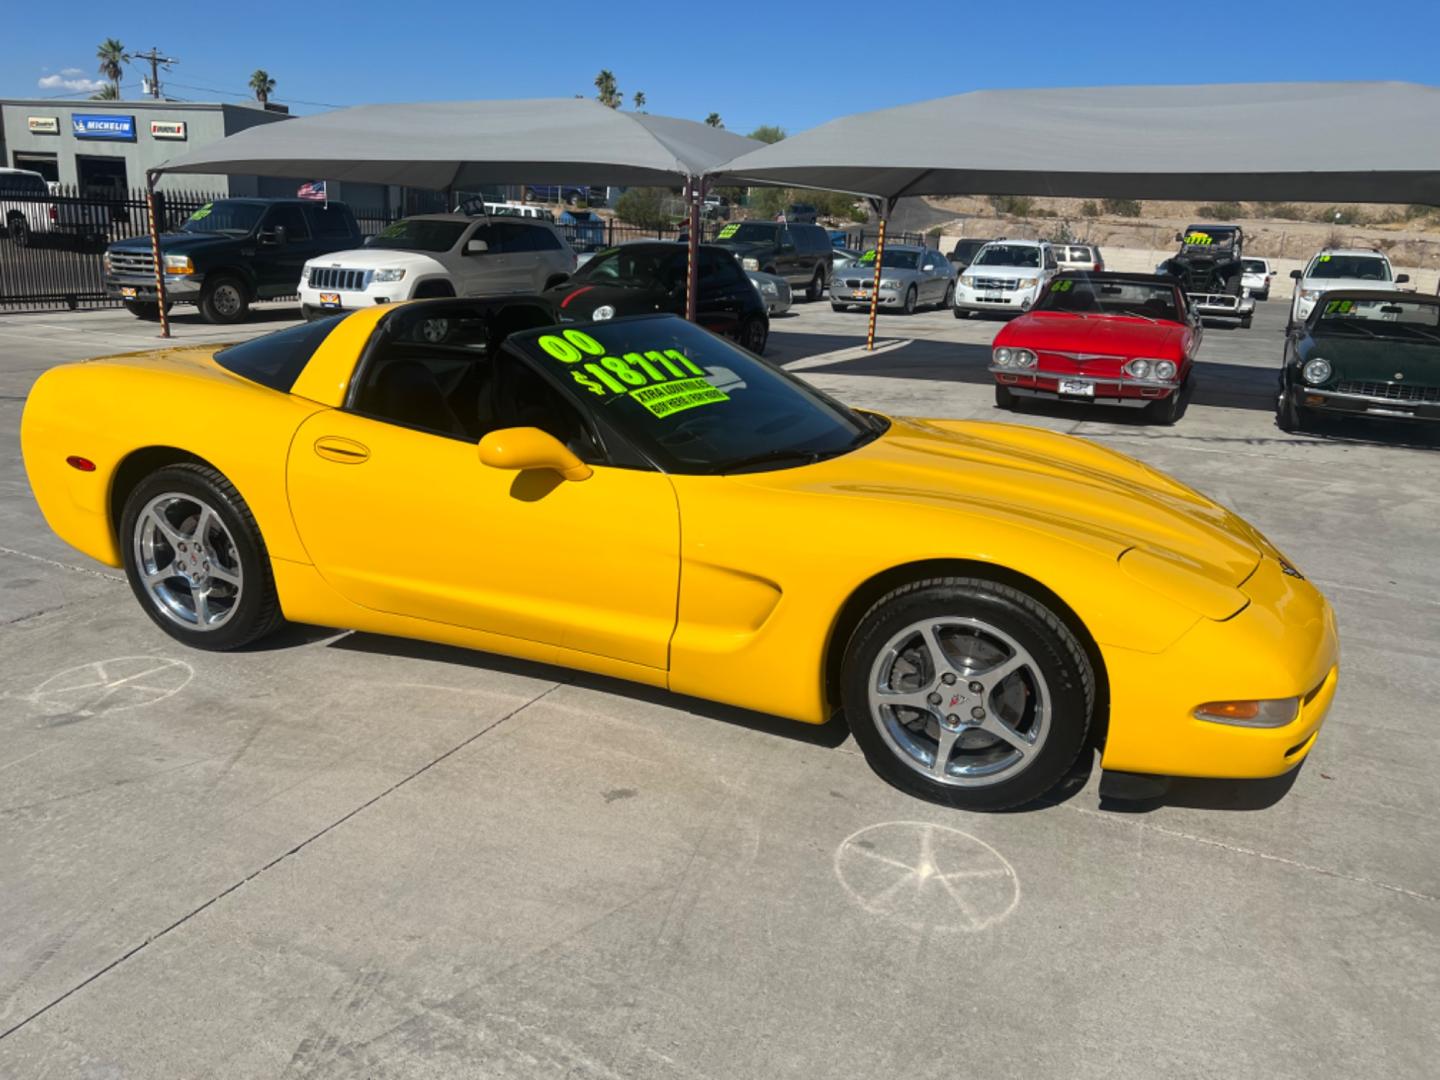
x: 345, y: 451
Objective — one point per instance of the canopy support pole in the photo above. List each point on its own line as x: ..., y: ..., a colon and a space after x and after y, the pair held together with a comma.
x: 154, y: 222
x: 695, y: 195
x: 883, y: 210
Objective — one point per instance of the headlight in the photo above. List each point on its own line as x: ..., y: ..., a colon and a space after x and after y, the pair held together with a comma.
x: 305, y: 274
x: 1317, y: 371
x: 178, y: 264
x: 889, y: 283
x: 389, y: 275
x: 604, y: 311
x: 1164, y: 369
x: 1140, y: 369
x: 1275, y: 712
x: 750, y: 264
x: 1019, y: 358
x: 1027, y: 283
x: 1310, y: 294
x: 967, y: 280
x: 769, y: 289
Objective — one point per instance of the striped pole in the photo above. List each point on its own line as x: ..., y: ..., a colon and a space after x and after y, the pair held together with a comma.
x: 160, y: 297
x: 694, y: 192
x: 875, y: 286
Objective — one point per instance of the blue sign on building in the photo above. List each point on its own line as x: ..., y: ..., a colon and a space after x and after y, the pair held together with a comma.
x: 102, y: 126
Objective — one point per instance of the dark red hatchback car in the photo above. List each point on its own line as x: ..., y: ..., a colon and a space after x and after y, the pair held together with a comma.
x: 1107, y: 339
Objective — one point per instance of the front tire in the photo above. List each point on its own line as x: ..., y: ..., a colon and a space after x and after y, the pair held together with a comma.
x: 196, y: 560
x: 1169, y: 410
x: 911, y: 295
x: 1289, y: 417
x: 949, y: 300
x: 754, y: 333
x: 816, y: 289
x: 224, y: 300
x: 962, y: 313
x: 967, y: 692
x: 1004, y: 399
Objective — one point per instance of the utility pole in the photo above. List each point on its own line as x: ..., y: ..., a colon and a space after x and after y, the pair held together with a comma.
x: 156, y: 62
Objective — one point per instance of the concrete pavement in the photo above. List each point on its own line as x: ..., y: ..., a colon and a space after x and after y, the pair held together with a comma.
x: 344, y: 855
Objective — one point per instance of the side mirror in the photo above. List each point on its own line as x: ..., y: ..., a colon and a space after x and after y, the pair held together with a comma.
x: 1179, y: 238
x: 476, y: 247
x: 520, y: 448
x: 368, y: 241
x: 1401, y: 279
x: 1296, y: 274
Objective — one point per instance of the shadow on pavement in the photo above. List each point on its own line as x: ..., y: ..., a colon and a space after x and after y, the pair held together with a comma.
x: 830, y: 734
x: 1147, y: 794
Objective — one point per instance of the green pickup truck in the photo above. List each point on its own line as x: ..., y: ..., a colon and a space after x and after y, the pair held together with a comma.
x: 228, y: 254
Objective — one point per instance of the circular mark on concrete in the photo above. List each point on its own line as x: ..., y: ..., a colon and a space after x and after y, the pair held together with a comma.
x: 110, y: 686
x: 927, y: 877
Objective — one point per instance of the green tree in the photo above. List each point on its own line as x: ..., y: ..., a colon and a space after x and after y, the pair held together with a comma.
x: 263, y: 86
x: 1121, y: 207
x: 608, y: 92
x: 714, y: 120
x: 113, y: 58
x: 646, y: 207
x: 106, y: 93
x: 768, y: 133
x: 639, y: 100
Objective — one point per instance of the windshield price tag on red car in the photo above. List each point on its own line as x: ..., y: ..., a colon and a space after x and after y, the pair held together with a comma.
x: 663, y: 382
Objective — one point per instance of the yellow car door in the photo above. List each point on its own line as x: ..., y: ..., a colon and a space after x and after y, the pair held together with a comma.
x: 400, y: 515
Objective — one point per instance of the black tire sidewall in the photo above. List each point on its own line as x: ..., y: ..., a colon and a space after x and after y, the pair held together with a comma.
x: 257, y: 611
x: 911, y: 296
x: 207, y: 303
x: 1062, y: 663
x: 816, y: 289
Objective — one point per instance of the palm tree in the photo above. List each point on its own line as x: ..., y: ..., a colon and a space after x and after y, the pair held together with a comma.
x: 263, y: 85
x: 106, y: 93
x: 113, y: 58
x: 609, y: 93
x: 714, y: 120
x: 639, y: 100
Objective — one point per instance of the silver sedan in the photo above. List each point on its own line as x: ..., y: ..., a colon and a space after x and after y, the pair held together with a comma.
x: 910, y: 277
x: 774, y: 291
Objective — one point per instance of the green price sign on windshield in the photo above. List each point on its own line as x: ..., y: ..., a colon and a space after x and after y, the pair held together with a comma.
x: 203, y: 212
x: 728, y: 231
x: 663, y: 382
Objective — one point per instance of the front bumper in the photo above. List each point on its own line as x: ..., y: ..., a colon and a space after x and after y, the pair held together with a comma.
x: 1359, y: 404
x: 334, y: 301
x: 1223, y: 305
x: 140, y: 288
x: 843, y: 294
x: 1283, y: 643
x: 968, y: 299
x: 1129, y: 393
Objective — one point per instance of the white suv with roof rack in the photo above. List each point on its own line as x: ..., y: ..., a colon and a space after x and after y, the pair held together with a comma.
x: 438, y: 255
x: 1341, y: 268
x: 1006, y: 276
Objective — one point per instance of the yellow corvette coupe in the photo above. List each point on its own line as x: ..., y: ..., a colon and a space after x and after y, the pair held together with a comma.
x: 643, y: 499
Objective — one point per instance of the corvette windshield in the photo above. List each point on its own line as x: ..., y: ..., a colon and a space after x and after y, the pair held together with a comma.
x: 1008, y: 255
x: 224, y: 216
x: 637, y: 267
x: 417, y: 234
x: 1084, y: 295
x: 692, y: 401
x: 1409, y: 320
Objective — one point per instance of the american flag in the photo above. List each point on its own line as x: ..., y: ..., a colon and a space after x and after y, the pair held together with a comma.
x: 315, y: 189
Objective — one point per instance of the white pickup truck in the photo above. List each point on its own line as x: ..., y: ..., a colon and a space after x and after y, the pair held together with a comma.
x: 438, y: 255
x: 29, y: 208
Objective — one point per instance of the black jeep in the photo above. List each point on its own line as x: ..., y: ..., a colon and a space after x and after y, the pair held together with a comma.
x: 1208, y: 267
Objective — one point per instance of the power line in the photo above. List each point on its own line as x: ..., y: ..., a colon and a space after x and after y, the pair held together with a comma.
x: 79, y: 93
x: 156, y: 63
x: 232, y: 93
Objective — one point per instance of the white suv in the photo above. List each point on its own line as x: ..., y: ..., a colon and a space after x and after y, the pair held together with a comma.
x: 1337, y: 268
x: 1006, y: 275
x: 438, y: 255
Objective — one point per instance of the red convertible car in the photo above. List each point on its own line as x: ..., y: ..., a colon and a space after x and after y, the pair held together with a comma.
x: 1111, y: 339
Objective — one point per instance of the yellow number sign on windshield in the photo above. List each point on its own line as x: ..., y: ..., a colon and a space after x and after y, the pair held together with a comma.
x: 1199, y: 239
x: 664, y: 382
x: 728, y: 231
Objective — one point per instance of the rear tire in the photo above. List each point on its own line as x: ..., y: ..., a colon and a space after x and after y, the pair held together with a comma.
x: 949, y: 300
x: 816, y: 289
x: 142, y: 310
x: 1002, y: 741
x: 962, y: 313
x: 181, y: 506
x: 20, y: 232
x: 224, y: 300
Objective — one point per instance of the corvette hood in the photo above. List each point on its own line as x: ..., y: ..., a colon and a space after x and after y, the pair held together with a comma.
x: 1041, y: 480
x: 1102, y: 334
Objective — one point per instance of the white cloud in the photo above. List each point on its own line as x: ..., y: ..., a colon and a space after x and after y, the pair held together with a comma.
x: 72, y: 79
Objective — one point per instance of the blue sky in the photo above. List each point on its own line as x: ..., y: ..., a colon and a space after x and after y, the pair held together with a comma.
x: 792, y: 65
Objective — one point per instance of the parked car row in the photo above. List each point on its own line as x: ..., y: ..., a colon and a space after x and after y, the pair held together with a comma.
x: 28, y: 208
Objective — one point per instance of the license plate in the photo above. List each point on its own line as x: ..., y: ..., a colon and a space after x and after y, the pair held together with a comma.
x: 861, y: 294
x: 128, y: 292
x: 992, y: 298
x: 1078, y: 387
x: 329, y: 299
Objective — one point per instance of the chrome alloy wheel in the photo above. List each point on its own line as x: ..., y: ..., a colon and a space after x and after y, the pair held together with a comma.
x: 188, y: 561
x: 959, y: 701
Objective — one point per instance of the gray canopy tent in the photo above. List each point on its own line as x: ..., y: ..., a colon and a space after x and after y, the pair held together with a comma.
x: 1309, y: 142
x: 456, y: 144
